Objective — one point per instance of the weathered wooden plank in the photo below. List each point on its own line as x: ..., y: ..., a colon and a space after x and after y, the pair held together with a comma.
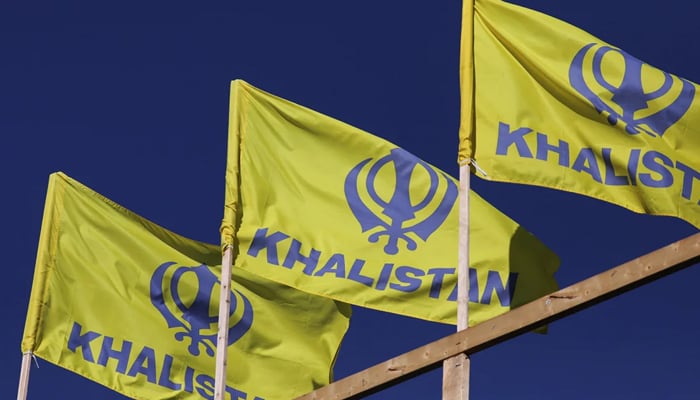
x: 557, y: 305
x: 455, y: 377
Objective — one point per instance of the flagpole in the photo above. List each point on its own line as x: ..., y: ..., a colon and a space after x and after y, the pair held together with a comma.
x: 222, y: 337
x: 455, y: 378
x: 455, y: 375
x: 463, y: 252
x: 24, y: 376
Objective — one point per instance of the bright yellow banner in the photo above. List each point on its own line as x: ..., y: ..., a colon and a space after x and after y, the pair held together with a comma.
x: 322, y: 206
x: 132, y: 306
x: 559, y: 108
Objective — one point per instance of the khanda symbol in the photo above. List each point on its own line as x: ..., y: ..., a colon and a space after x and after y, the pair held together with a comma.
x: 183, y: 295
x: 651, y: 111
x: 399, y: 215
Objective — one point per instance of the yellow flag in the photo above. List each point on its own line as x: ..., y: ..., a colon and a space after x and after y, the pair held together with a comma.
x: 324, y: 207
x: 560, y: 108
x: 132, y: 306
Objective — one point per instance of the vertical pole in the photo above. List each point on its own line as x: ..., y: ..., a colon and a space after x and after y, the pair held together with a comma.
x: 463, y: 251
x: 455, y: 376
x: 24, y: 376
x: 222, y: 337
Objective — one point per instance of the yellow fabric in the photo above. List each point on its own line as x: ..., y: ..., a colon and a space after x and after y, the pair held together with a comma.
x: 95, y: 309
x: 560, y: 108
x: 324, y: 207
x: 466, y: 83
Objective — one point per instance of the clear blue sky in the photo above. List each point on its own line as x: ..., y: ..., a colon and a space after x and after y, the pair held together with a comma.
x: 131, y: 98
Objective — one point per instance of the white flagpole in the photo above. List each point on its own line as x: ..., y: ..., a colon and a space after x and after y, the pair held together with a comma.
x: 463, y: 252
x: 222, y: 337
x: 455, y: 378
x: 24, y: 376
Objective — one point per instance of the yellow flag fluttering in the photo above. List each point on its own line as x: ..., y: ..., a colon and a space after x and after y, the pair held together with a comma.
x: 557, y: 107
x: 316, y: 204
x: 134, y: 307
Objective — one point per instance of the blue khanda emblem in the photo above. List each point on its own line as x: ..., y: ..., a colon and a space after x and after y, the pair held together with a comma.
x: 401, y: 214
x: 619, y: 91
x: 187, y: 299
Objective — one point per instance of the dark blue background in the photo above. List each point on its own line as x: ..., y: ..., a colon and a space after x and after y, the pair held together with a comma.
x: 132, y: 100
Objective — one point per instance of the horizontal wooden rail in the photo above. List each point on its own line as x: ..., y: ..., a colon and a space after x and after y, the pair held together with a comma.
x: 557, y: 305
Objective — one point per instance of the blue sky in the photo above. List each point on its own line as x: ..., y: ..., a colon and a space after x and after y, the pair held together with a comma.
x: 132, y: 100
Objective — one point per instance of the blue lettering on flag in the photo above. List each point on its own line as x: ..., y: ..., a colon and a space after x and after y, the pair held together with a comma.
x: 108, y: 351
x: 147, y: 362
x: 82, y: 340
x: 650, y: 168
x: 402, y: 278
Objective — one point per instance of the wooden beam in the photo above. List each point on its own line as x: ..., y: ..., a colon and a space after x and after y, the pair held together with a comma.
x: 552, y: 307
x: 455, y: 377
